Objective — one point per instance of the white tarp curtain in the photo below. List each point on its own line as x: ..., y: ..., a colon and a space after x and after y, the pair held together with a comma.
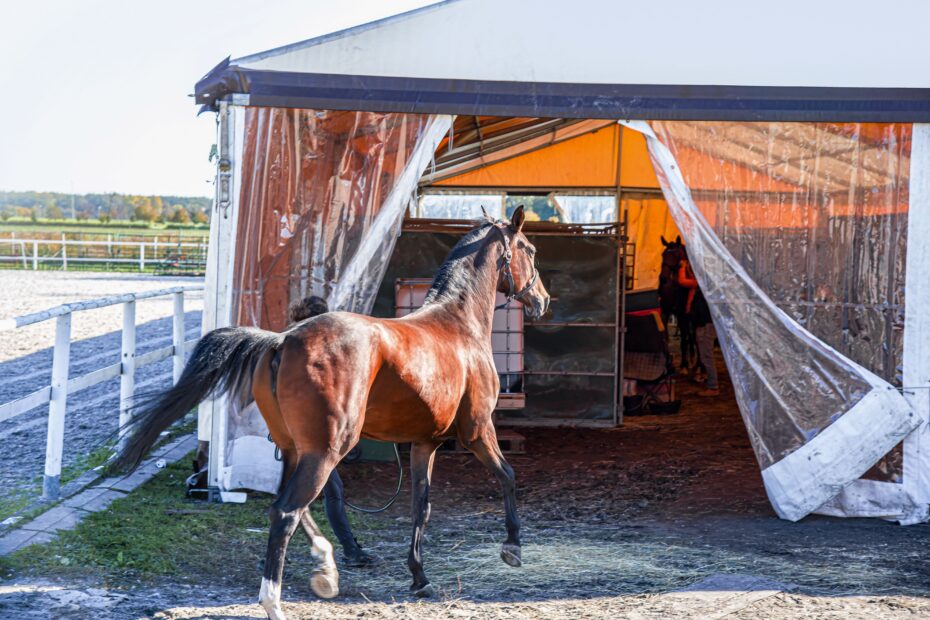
x: 321, y: 202
x: 817, y: 420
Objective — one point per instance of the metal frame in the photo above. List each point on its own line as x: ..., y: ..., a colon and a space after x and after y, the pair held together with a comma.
x: 212, y: 419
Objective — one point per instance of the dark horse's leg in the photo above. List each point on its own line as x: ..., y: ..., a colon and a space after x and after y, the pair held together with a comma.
x: 686, y: 336
x: 422, y: 455
x: 287, y: 512
x: 489, y: 453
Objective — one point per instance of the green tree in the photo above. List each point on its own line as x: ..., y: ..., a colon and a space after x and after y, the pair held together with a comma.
x: 200, y: 217
x: 180, y: 215
x: 53, y: 212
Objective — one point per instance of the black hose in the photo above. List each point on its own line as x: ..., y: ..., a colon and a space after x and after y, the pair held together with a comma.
x: 400, y: 483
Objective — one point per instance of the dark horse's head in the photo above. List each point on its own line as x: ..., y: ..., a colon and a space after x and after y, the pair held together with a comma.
x: 672, y: 256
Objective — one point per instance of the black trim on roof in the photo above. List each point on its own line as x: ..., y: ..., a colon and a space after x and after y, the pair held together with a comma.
x: 561, y: 100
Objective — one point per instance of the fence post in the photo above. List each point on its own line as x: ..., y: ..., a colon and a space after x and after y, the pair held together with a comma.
x: 35, y: 255
x: 110, y: 245
x: 177, y: 335
x: 64, y: 252
x: 142, y: 256
x: 51, y: 483
x: 127, y: 380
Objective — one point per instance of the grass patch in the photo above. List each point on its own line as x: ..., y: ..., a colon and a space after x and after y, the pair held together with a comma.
x: 155, y: 532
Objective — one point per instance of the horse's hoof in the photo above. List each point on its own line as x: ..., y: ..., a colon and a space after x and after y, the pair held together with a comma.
x: 427, y: 591
x: 510, y: 554
x: 273, y: 610
x: 325, y: 582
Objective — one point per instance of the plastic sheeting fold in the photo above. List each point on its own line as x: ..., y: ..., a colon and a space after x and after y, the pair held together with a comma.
x: 817, y: 420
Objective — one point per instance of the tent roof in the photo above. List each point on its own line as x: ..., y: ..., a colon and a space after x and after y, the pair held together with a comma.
x: 718, y: 59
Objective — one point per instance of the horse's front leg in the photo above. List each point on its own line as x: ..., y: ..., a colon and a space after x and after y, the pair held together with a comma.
x: 487, y: 450
x: 422, y: 455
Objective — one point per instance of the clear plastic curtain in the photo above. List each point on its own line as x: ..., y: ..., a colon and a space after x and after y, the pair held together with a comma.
x: 321, y: 200
x: 817, y: 419
x: 315, y: 184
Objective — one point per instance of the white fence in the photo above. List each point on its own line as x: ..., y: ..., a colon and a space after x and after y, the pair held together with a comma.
x: 141, y: 253
x: 55, y: 395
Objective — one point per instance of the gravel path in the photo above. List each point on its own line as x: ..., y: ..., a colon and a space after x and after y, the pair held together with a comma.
x: 26, y: 360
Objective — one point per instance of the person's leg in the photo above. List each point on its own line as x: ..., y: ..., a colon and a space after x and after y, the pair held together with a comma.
x: 705, y: 344
x: 334, y: 505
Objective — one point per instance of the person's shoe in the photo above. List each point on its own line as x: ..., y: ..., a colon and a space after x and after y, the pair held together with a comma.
x: 700, y: 377
x: 709, y: 392
x: 358, y: 558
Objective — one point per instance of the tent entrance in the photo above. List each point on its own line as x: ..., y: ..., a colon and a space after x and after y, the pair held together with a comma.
x: 318, y: 198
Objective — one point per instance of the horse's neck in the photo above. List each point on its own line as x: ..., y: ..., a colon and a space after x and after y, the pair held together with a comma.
x: 472, y: 306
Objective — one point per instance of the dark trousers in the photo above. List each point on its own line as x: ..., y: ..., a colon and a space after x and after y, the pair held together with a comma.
x: 334, y: 504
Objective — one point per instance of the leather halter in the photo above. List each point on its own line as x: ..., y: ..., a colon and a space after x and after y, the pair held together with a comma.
x: 508, y: 272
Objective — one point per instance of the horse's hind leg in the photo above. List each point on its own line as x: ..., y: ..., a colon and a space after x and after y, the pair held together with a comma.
x: 286, y: 514
x: 489, y: 453
x: 422, y: 455
x: 325, y: 579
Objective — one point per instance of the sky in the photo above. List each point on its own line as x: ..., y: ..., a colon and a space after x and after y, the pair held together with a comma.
x: 94, y: 94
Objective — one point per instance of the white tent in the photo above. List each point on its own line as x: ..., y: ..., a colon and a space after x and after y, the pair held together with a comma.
x: 354, y: 118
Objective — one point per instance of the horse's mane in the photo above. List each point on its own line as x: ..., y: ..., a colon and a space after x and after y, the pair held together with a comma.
x: 453, y: 277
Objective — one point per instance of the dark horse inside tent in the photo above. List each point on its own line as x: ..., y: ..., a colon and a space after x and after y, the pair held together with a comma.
x: 673, y: 299
x: 332, y: 379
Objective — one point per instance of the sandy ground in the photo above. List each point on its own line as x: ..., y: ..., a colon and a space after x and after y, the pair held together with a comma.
x: 22, y: 292
x: 616, y: 524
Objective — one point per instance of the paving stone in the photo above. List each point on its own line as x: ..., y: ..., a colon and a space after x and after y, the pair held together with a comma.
x: 180, y: 449
x: 15, y: 540
x: 60, y: 517
x: 79, y: 483
x: 103, y: 500
x: 109, y: 482
x: 136, y: 478
x: 85, y: 496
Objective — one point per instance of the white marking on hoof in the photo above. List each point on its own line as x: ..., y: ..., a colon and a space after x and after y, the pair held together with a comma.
x: 269, y: 597
x: 322, y: 551
x: 427, y: 591
x: 510, y: 554
x: 325, y: 582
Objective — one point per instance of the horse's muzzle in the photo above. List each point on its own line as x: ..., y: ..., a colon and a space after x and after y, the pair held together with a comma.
x: 536, y: 307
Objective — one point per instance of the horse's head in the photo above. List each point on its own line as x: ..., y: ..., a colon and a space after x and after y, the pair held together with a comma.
x: 672, y: 255
x: 519, y: 277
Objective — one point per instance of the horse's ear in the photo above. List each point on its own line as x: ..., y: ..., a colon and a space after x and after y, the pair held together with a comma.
x: 678, y: 239
x: 517, y: 219
x: 484, y: 212
x: 664, y: 242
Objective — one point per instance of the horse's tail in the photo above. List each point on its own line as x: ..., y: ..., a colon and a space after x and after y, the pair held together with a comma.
x: 222, y: 361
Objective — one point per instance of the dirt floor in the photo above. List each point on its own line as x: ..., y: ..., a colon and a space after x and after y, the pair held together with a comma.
x: 663, y: 517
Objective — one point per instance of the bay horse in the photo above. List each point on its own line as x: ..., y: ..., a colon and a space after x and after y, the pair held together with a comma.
x: 673, y: 299
x: 326, y: 382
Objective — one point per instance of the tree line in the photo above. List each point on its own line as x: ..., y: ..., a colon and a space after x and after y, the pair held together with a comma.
x: 104, y: 207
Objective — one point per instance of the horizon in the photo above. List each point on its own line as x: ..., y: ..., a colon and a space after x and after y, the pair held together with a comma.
x: 99, y: 94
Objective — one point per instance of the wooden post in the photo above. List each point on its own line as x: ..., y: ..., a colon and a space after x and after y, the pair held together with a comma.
x: 177, y: 335
x: 142, y: 256
x: 64, y: 252
x: 127, y: 381
x: 51, y: 483
x: 35, y: 255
